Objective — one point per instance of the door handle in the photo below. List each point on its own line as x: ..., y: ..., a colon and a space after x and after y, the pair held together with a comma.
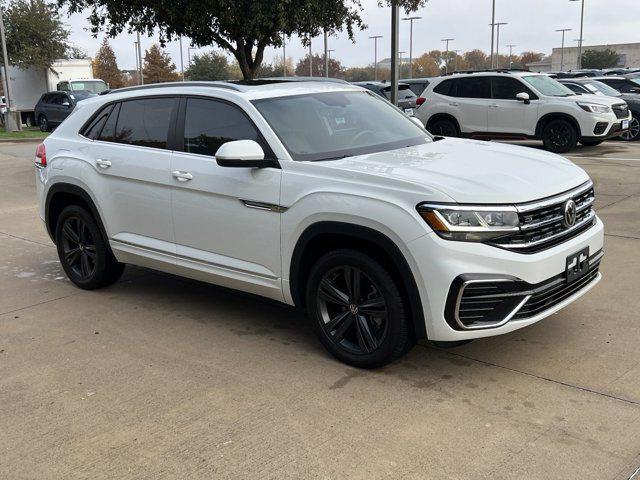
x: 454, y: 104
x: 103, y: 163
x: 182, y: 176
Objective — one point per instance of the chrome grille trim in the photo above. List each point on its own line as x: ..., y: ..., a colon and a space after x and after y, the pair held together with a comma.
x: 527, y: 207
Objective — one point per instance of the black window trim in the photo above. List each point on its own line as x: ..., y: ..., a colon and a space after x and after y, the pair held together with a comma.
x: 532, y: 95
x: 181, y: 116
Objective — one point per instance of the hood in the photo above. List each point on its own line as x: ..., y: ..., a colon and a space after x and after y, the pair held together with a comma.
x: 630, y: 98
x: 471, y: 171
x: 598, y: 99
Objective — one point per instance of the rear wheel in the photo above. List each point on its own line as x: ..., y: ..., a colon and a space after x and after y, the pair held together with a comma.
x: 83, y: 253
x: 357, y: 310
x: 560, y: 136
x: 633, y: 134
x: 43, y: 123
x: 444, y: 127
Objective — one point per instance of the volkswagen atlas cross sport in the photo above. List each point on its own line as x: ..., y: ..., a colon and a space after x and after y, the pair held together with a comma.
x: 325, y: 196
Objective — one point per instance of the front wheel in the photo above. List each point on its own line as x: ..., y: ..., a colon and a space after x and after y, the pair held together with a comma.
x: 633, y: 134
x: 357, y: 310
x: 559, y: 136
x: 83, y: 253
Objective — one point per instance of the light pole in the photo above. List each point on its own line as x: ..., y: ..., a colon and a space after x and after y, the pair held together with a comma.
x: 181, y: 59
x: 497, y: 50
x: 375, y: 56
x: 493, y: 22
x: 141, y: 75
x: 446, y: 60
x: 410, y: 20
x: 400, y: 62
x: 326, y: 55
x: 395, y: 44
x: 511, y: 55
x: 310, y: 60
x: 284, y: 56
x: 135, y: 45
x: 12, y: 124
x: 563, y: 30
x: 581, y: 33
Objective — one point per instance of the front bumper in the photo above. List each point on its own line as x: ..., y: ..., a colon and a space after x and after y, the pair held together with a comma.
x: 604, y: 128
x: 441, y: 263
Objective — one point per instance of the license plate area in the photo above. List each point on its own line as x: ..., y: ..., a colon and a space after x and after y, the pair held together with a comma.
x: 625, y: 125
x: 408, y: 111
x: 577, y: 265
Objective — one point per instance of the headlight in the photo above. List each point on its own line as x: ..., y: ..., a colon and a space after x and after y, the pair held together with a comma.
x: 470, y: 223
x: 594, y: 108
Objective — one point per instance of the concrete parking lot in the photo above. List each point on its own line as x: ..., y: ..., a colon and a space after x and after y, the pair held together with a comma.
x: 160, y: 377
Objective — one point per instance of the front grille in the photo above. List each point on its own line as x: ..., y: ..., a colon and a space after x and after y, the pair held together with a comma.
x: 542, y: 224
x: 477, y: 302
x: 621, y: 110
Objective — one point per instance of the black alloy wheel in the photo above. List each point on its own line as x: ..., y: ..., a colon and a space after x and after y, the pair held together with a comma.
x: 44, y: 124
x: 353, y: 311
x: 560, y: 136
x: 633, y: 134
x: 357, y: 309
x: 82, y: 250
x: 444, y: 128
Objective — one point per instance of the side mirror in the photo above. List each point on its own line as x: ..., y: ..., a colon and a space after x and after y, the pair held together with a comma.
x: 417, y: 121
x: 523, y: 97
x: 66, y: 104
x: 242, y: 154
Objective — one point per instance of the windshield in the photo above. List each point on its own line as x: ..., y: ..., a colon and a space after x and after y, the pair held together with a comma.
x: 78, y: 95
x: 548, y: 86
x: 636, y: 81
x: 404, y: 92
x: 95, y: 86
x: 331, y: 125
x: 600, y: 88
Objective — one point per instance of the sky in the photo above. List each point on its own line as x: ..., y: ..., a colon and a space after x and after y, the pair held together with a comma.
x: 531, y: 26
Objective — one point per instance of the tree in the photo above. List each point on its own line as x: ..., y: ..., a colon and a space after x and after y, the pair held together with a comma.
x: 317, y: 66
x: 530, y: 57
x: 208, y: 66
x: 600, y: 59
x: 275, y: 68
x: 477, y: 60
x: 76, y: 52
x: 425, y: 66
x: 244, y: 28
x: 358, y: 74
x: 157, y: 66
x: 35, y: 33
x: 106, y: 67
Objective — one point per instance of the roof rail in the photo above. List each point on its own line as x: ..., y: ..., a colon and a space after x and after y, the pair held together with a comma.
x: 150, y: 86
x: 490, y: 70
x: 270, y: 80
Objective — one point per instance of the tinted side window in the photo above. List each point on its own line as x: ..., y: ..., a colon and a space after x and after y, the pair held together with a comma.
x: 473, y: 87
x: 576, y: 88
x: 504, y: 88
x: 108, y: 133
x: 210, y: 123
x: 445, y: 88
x: 144, y: 122
x: 418, y: 88
x: 94, y: 128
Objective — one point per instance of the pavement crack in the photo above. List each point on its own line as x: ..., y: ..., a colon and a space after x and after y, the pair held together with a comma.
x: 540, y: 377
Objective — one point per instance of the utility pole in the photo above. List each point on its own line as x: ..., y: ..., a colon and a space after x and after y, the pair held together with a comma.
x: 12, y: 123
x: 395, y: 40
x: 375, y: 56
x: 563, y: 30
x: 580, y: 40
x: 141, y: 74
x: 497, y: 62
x: 181, y: 59
x: 493, y: 23
x: 446, y: 58
x: 310, y: 60
x: 284, y: 56
x: 511, y: 55
x: 326, y: 55
x: 410, y: 20
x: 135, y: 48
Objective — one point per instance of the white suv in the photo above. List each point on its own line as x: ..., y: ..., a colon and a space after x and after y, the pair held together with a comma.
x: 516, y: 105
x: 324, y: 196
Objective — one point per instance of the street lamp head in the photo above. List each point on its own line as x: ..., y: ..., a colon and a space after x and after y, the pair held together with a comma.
x: 412, y: 18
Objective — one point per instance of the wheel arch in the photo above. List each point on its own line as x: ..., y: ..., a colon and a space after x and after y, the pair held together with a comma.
x: 443, y: 116
x: 326, y: 236
x: 545, y: 119
x: 61, y: 195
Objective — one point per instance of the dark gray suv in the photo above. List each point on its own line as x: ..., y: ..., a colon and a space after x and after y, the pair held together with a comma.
x: 54, y: 107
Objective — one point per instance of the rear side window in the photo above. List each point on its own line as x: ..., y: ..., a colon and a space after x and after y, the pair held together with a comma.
x: 445, y: 88
x: 418, y: 88
x: 144, y: 122
x: 94, y: 128
x: 108, y: 133
x: 473, y: 87
x: 210, y: 123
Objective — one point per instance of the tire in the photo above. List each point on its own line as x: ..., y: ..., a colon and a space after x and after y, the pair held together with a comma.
x: 594, y: 143
x: 444, y: 127
x: 83, y: 253
x: 43, y: 123
x: 365, y: 326
x: 633, y: 134
x: 559, y: 136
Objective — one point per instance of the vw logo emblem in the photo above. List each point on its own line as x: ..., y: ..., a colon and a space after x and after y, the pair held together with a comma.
x: 570, y: 213
x: 353, y: 309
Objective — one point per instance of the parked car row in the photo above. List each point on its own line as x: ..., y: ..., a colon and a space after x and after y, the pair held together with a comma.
x: 592, y: 72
